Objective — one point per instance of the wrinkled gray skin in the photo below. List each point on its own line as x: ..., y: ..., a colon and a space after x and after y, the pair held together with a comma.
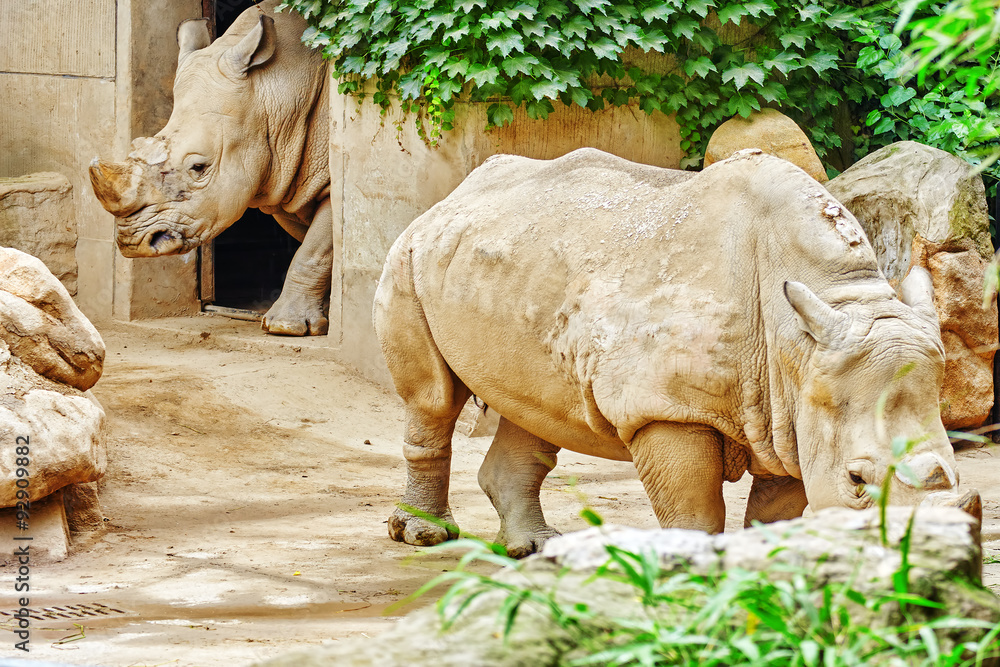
x: 700, y: 325
x: 249, y: 129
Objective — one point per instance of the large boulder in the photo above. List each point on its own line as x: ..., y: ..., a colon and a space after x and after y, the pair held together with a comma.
x: 50, y: 355
x: 921, y: 206
x: 772, y: 132
x: 37, y: 217
x: 836, y: 546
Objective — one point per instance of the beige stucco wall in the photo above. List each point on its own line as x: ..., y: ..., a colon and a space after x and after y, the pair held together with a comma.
x: 382, y: 180
x: 80, y: 79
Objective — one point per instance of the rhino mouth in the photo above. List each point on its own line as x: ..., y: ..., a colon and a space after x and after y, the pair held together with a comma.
x: 164, y: 242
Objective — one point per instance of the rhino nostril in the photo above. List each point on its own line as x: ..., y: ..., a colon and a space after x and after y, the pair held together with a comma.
x: 159, y: 240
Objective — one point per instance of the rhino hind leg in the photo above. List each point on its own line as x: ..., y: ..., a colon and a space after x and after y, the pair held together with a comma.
x: 433, y: 397
x: 681, y: 467
x: 775, y: 499
x: 511, y: 475
x: 299, y: 309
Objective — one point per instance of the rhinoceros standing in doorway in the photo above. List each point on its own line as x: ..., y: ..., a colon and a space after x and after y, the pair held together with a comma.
x: 249, y: 129
x: 700, y: 325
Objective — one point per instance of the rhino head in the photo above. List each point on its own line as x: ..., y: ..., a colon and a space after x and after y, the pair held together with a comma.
x: 869, y: 403
x: 198, y: 175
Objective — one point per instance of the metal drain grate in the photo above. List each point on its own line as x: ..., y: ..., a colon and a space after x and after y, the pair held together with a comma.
x: 73, y: 612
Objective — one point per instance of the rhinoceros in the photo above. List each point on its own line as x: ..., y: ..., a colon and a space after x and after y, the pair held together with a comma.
x: 700, y: 325
x: 249, y: 129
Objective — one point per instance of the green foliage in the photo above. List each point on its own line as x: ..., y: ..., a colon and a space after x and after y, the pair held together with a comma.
x: 816, y: 60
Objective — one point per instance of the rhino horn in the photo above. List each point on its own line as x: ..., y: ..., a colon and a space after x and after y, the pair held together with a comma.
x: 192, y: 35
x: 816, y: 318
x: 114, y: 185
x: 917, y: 292
x: 930, y: 470
x: 255, y: 49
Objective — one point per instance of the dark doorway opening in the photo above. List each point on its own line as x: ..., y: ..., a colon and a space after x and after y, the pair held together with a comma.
x: 246, y: 265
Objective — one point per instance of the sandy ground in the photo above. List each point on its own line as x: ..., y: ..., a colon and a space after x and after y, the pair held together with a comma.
x: 249, y: 483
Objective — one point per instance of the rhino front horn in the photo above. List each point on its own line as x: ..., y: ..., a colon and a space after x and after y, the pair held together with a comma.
x: 113, y: 184
x: 972, y: 504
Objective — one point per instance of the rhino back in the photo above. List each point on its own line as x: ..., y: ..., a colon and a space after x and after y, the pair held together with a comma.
x: 592, y: 294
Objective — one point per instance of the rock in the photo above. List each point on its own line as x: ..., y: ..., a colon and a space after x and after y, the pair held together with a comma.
x: 83, y: 508
x: 772, y: 132
x: 65, y: 428
x: 37, y: 217
x: 43, y: 327
x: 834, y: 546
x: 47, y: 527
x: 921, y: 206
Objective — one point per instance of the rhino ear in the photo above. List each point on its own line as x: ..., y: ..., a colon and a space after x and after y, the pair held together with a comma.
x: 917, y: 292
x: 192, y: 35
x: 255, y: 49
x: 824, y: 324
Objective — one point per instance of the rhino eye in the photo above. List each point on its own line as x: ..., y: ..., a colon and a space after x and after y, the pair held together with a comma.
x: 198, y: 169
x: 857, y: 479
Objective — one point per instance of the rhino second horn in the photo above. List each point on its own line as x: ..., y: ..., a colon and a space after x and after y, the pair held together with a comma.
x: 113, y: 185
x: 917, y: 292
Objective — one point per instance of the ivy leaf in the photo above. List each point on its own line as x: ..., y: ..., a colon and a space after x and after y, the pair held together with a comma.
x: 352, y: 65
x: 540, y: 109
x: 840, y: 19
x: 435, y: 57
x: 579, y: 96
x: 820, y: 62
x: 652, y: 40
x: 732, y: 13
x: 547, y: 88
x: 795, y: 37
x: 587, y: 6
x: 498, y: 115
x: 467, y: 6
x: 740, y: 75
x: 456, y: 68
x: 533, y: 28
x: 757, y: 7
x: 520, y: 64
x: 868, y: 56
x: 897, y: 96
x: 448, y: 89
x: 411, y: 85
x: 649, y: 105
x: 700, y: 67
x: 553, y: 8
x: 743, y: 105
x: 784, y: 62
x: 482, y: 75
x: 521, y: 91
x: 657, y: 11
x: 603, y: 48
x: 551, y: 39
x: 578, y: 25
x: 685, y: 27
x: 773, y: 91
x: 607, y: 24
x: 628, y: 34
x: 523, y: 9
x: 505, y: 42
x: 887, y: 124
x: 809, y: 13
x: 699, y: 7
x: 444, y: 18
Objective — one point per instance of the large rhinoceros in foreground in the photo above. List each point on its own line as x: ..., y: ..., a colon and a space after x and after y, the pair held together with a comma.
x: 249, y: 129
x: 700, y: 325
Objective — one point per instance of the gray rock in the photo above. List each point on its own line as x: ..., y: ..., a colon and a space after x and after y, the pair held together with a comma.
x: 921, y: 206
x: 37, y: 217
x: 835, y: 545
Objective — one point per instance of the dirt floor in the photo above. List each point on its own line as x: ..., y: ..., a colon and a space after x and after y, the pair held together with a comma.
x: 249, y: 482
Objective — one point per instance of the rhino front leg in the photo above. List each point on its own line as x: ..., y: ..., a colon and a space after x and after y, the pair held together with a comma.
x: 299, y: 309
x: 681, y: 468
x: 775, y: 499
x: 512, y: 475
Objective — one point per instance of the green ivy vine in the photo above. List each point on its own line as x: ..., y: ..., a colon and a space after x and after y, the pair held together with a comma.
x: 836, y: 67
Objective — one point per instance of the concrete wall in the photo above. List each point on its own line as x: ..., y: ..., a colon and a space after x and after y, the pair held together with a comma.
x: 382, y: 180
x: 80, y: 79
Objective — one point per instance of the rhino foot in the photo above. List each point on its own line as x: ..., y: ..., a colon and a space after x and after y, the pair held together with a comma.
x: 295, y: 317
x: 520, y: 544
x: 404, y: 527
